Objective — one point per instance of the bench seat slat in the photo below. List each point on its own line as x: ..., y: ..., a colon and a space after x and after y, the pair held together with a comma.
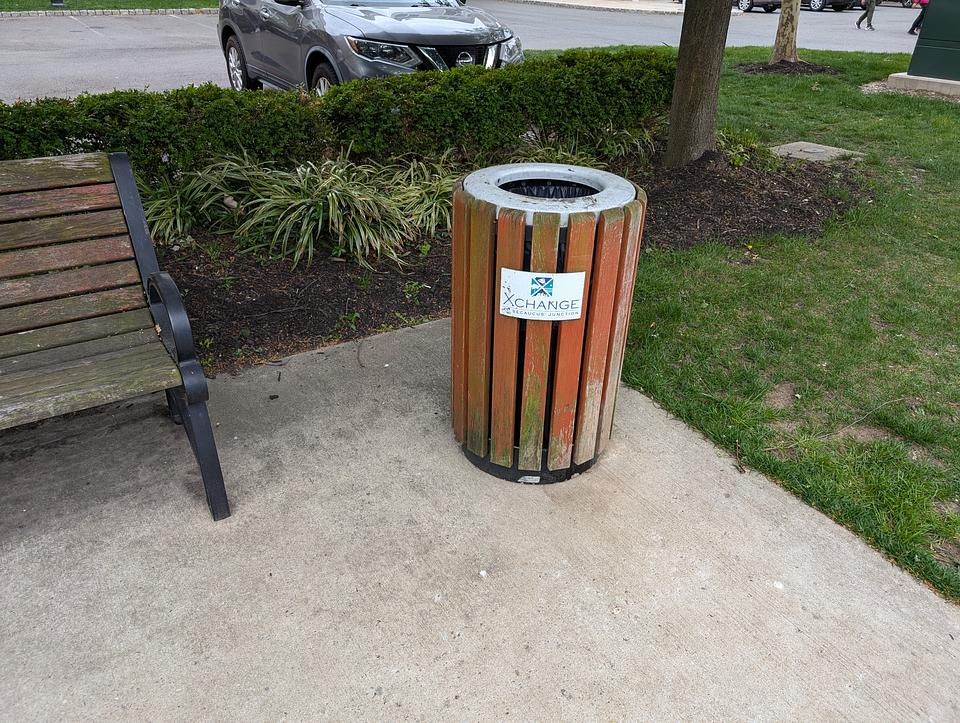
x: 65, y: 256
x: 29, y: 289
x: 59, y: 311
x: 60, y: 229
x: 81, y: 384
x: 33, y: 174
x: 57, y: 202
x: 75, y: 332
x: 73, y: 352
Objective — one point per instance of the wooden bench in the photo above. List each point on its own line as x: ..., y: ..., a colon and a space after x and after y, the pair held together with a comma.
x: 86, y: 315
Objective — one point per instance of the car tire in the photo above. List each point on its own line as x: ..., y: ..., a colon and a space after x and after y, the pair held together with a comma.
x: 323, y: 79
x: 818, y: 5
x: 237, y: 67
x: 839, y: 8
x: 769, y: 8
x: 745, y: 5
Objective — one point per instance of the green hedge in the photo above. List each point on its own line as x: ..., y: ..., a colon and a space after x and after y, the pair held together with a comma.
x: 575, y: 95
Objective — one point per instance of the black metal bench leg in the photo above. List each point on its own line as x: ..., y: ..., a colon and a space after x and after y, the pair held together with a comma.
x: 174, y: 405
x: 197, y: 424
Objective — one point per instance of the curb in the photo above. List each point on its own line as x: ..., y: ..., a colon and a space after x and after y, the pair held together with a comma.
x: 65, y: 13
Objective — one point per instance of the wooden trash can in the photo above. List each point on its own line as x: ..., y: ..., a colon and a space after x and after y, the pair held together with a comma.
x: 544, y: 263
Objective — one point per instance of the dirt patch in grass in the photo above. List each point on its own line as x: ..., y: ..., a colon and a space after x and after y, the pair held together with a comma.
x: 781, y: 396
x: 245, y: 311
x: 711, y: 200
x: 787, y: 68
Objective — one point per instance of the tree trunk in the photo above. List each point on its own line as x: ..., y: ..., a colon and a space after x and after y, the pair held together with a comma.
x: 785, y: 46
x: 693, y: 112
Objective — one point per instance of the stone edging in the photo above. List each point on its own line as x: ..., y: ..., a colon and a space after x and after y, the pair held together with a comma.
x: 60, y: 13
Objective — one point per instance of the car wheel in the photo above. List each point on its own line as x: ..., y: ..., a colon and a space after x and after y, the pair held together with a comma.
x: 818, y: 5
x: 839, y: 8
x: 323, y: 79
x: 237, y: 67
x: 769, y: 8
x: 907, y: 3
x: 745, y: 5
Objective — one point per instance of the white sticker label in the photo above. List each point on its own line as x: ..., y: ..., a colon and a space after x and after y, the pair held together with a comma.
x: 541, y: 296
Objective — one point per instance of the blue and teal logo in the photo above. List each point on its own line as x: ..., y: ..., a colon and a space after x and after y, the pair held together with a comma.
x: 541, y: 286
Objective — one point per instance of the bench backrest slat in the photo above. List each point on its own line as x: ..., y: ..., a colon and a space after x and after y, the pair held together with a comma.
x: 60, y: 229
x: 15, y: 292
x: 64, y: 256
x: 37, y: 174
x: 37, y: 204
x: 74, y: 308
x: 75, y: 332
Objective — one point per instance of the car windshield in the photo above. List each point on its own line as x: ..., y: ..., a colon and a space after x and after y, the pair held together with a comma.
x: 395, y: 3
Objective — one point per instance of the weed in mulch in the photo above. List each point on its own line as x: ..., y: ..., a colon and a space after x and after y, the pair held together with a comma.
x: 785, y: 67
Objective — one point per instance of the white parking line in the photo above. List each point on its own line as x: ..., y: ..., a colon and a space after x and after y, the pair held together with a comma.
x: 74, y: 17
x: 188, y: 20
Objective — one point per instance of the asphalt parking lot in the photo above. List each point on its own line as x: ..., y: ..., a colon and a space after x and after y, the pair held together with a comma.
x: 66, y: 56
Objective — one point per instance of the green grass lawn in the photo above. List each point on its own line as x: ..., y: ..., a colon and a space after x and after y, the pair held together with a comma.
x: 24, y: 5
x: 863, y: 322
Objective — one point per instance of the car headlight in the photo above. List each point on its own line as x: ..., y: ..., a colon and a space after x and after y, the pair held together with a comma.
x: 511, y: 51
x: 385, y: 52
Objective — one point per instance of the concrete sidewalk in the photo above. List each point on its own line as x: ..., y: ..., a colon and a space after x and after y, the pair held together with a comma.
x: 369, y: 571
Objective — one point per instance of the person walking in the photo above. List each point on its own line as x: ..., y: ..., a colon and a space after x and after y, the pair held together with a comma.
x: 869, y: 7
x: 915, y: 28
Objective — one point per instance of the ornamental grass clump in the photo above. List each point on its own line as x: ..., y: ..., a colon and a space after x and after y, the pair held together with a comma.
x: 366, y: 211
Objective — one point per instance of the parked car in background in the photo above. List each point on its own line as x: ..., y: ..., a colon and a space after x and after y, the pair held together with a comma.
x: 317, y: 44
x: 771, y: 5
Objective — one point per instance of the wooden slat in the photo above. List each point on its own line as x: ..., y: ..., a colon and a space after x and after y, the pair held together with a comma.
x: 581, y: 233
x: 39, y: 394
x: 74, y: 352
x: 35, y: 174
x: 51, y: 337
x: 65, y: 256
x: 59, y: 311
x: 629, y: 257
x: 458, y: 345
x: 511, y: 226
x: 606, y: 261
x: 37, y: 204
x: 59, y: 229
x: 479, y: 323
x: 29, y: 289
x: 536, y: 350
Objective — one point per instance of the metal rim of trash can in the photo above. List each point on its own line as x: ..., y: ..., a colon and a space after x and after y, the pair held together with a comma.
x: 493, y: 185
x: 489, y: 359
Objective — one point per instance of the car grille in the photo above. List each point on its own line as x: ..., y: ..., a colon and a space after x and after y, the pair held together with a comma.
x: 456, y: 56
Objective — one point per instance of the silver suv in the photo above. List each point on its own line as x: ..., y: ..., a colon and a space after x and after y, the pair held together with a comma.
x: 317, y: 44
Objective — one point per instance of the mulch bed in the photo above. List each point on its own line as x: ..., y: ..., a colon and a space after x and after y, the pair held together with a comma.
x: 245, y: 310
x: 710, y: 200
x: 785, y: 67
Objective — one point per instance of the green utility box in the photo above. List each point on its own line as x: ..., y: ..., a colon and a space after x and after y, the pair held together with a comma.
x: 937, y: 54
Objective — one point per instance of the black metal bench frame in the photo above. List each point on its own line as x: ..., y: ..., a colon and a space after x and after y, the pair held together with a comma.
x: 187, y: 403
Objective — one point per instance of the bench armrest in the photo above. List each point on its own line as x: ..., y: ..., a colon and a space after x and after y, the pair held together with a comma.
x: 166, y: 306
